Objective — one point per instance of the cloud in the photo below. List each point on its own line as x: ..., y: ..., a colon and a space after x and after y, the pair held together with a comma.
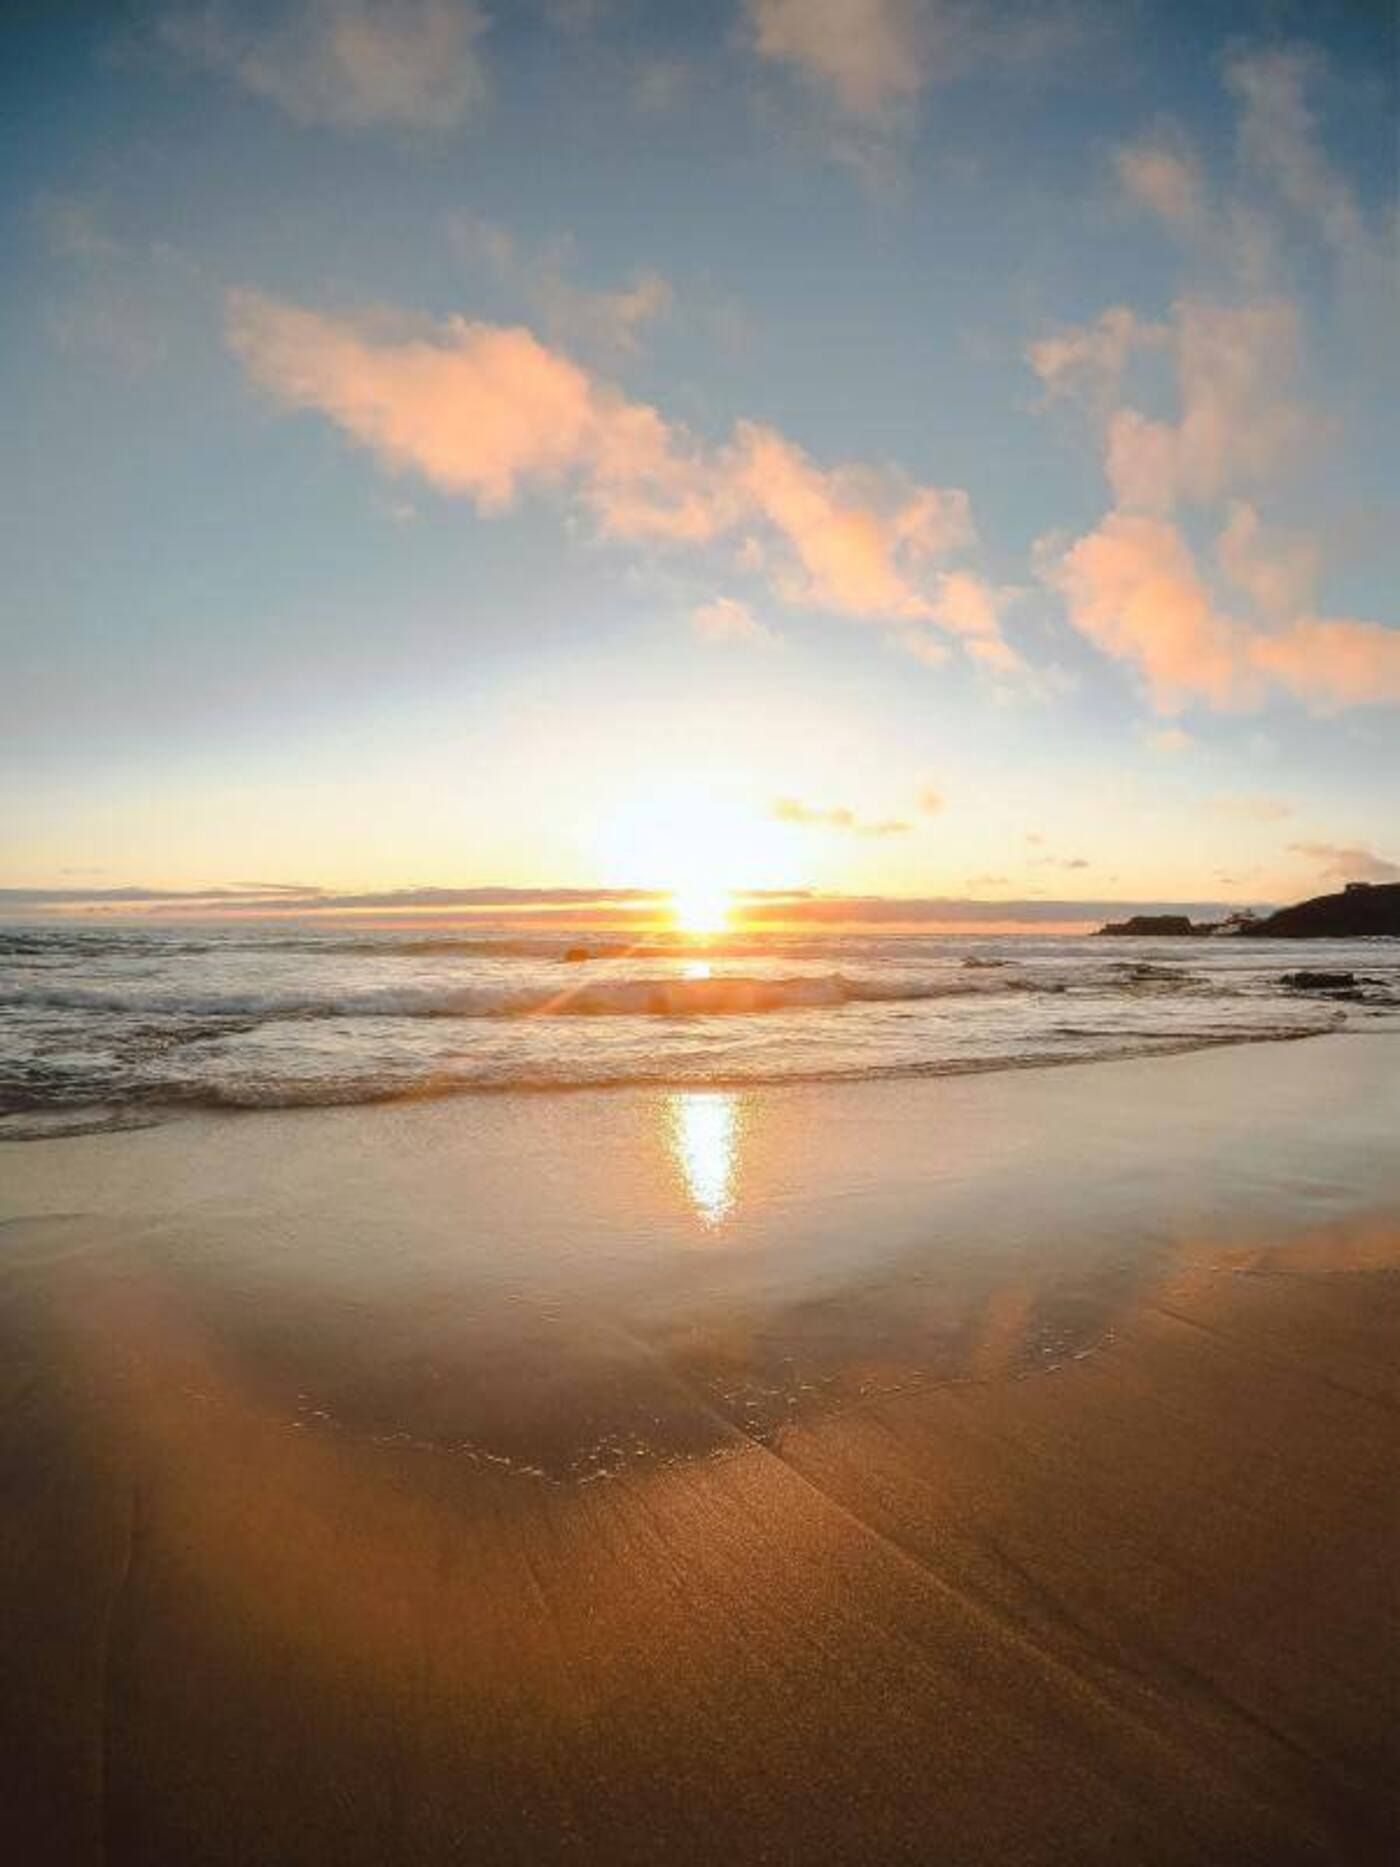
x: 1132, y: 586
x: 960, y: 910
x: 871, y: 57
x: 353, y: 64
x: 1248, y: 627
x: 1252, y: 809
x: 856, y: 537
x: 868, y: 53
x: 1238, y: 421
x: 1277, y: 573
x: 793, y: 810
x: 1333, y: 662
x: 601, y: 904
x: 725, y: 620
x: 490, y: 412
x: 607, y: 322
x: 128, y: 302
x: 929, y: 649
x: 1089, y: 360
x: 475, y: 408
x: 1349, y: 862
x: 1278, y: 140
x: 1165, y: 177
x: 967, y: 606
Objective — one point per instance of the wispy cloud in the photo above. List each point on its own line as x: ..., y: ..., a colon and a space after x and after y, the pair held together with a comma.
x: 603, y: 904
x: 1248, y: 628
x: 352, y: 64
x: 119, y: 299
x: 1348, y: 862
x: 1252, y: 809
x: 868, y: 54
x: 606, y: 322
x: 490, y: 412
x: 1164, y: 175
x: 871, y: 57
x: 727, y: 620
x: 838, y: 817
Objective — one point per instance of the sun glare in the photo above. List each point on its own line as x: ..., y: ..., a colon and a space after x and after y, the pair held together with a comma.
x: 701, y: 908
x: 705, y: 1143
x: 702, y: 844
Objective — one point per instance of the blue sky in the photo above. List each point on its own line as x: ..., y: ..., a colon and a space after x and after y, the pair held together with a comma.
x: 923, y: 449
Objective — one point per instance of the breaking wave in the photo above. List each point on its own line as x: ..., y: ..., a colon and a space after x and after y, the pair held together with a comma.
x: 661, y: 997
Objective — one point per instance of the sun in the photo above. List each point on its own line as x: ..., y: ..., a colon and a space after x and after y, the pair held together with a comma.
x: 702, y: 844
x: 701, y: 907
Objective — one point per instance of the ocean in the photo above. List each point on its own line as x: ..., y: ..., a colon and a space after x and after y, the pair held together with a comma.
x: 115, y: 1025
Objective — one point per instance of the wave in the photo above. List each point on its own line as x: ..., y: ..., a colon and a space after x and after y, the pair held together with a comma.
x: 663, y: 997
x: 41, y: 1118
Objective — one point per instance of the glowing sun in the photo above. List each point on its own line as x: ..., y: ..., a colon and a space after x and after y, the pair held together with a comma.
x: 702, y: 845
x: 701, y: 907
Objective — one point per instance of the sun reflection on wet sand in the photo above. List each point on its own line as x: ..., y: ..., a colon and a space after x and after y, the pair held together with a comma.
x: 704, y: 1136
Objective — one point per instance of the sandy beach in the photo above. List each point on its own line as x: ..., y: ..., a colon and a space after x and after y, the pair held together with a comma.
x: 987, y: 1470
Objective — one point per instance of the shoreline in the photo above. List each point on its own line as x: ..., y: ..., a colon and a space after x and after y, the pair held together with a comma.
x: 126, y: 1118
x: 998, y: 1468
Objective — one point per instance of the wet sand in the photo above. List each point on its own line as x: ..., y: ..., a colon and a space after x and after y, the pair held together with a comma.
x: 1001, y: 1470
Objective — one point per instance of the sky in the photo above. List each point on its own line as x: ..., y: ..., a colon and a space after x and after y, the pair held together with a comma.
x: 887, y: 448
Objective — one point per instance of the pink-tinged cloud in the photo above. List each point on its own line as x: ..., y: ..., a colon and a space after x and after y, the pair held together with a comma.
x: 1333, y: 663
x: 474, y: 408
x: 1133, y: 587
x: 857, y: 538
x: 967, y: 606
x: 490, y: 412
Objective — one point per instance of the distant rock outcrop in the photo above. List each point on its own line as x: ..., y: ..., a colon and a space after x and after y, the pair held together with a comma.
x: 1154, y: 926
x: 1362, y: 909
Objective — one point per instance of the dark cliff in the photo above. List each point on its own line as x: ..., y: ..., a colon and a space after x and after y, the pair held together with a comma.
x: 1359, y: 910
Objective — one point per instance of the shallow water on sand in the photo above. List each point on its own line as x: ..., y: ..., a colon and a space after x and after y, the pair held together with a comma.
x: 568, y: 1285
